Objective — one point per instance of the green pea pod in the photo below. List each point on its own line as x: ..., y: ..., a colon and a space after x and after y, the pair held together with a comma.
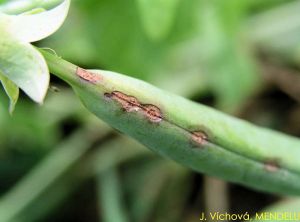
x: 192, y: 134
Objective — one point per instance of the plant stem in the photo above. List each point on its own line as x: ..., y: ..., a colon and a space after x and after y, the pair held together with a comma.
x: 60, y: 67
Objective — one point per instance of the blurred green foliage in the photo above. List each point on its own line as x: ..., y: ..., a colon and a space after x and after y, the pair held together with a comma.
x: 204, y: 37
x: 197, y: 48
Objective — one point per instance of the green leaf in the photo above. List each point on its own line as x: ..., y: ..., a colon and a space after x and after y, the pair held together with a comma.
x: 237, y: 68
x: 34, y: 11
x: 33, y: 27
x: 20, y: 6
x: 25, y: 66
x: 19, y: 61
x: 233, y: 74
x: 110, y: 196
x: 12, y: 90
x: 157, y: 16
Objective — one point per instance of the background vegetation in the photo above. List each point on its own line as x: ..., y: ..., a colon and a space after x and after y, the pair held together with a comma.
x: 59, y: 163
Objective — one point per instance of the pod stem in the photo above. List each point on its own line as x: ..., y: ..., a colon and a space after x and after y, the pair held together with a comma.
x: 60, y: 67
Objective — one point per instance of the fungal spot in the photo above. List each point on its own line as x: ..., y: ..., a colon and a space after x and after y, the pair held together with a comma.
x: 153, y: 113
x: 128, y: 103
x: 88, y: 76
x: 271, y: 166
x: 199, y: 137
x: 131, y: 104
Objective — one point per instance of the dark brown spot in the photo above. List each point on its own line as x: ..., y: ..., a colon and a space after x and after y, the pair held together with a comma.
x: 152, y: 112
x: 199, y: 137
x: 88, y: 76
x: 271, y: 166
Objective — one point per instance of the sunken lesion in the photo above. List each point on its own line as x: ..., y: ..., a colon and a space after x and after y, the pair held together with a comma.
x: 128, y: 103
x: 88, y: 76
x: 271, y: 166
x: 153, y: 113
x: 199, y: 137
x: 132, y: 104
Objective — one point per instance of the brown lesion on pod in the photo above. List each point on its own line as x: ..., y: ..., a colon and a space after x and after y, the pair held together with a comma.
x: 153, y: 113
x: 131, y: 104
x: 199, y: 137
x: 128, y: 103
x: 88, y: 76
x: 271, y: 165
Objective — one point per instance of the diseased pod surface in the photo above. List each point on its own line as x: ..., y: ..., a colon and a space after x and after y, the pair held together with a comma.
x: 192, y: 134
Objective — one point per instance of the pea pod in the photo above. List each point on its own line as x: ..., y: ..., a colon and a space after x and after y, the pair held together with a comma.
x: 192, y: 134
